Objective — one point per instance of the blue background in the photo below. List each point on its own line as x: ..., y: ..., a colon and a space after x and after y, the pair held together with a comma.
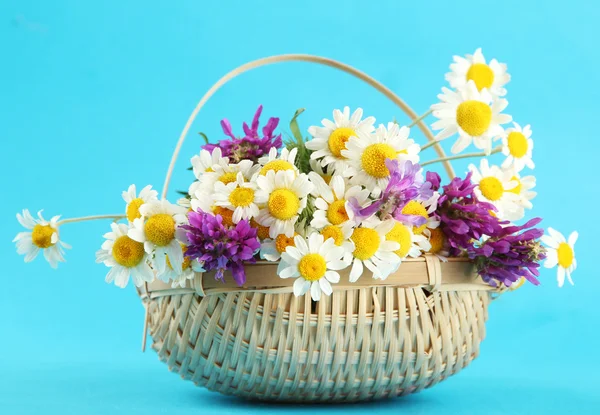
x: 93, y: 96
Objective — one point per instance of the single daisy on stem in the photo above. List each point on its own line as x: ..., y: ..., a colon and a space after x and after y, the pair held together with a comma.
x: 134, y: 202
x: 494, y: 186
x: 560, y: 252
x: 241, y: 197
x: 473, y: 68
x: 517, y: 146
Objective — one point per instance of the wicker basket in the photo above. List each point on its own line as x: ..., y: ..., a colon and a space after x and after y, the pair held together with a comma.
x: 368, y: 340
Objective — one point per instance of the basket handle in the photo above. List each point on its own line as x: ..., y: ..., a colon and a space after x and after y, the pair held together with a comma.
x: 302, y: 58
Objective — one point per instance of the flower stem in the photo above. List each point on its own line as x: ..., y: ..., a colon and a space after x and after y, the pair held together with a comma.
x: 86, y: 218
x: 429, y: 144
x: 463, y: 156
x: 421, y: 117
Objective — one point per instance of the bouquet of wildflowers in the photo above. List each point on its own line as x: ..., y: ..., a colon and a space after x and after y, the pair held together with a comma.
x: 353, y: 195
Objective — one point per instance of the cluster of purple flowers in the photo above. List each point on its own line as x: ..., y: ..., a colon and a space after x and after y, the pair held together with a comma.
x: 220, y: 247
x: 251, y: 146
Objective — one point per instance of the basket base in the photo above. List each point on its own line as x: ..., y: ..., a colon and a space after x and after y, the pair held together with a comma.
x: 356, y: 345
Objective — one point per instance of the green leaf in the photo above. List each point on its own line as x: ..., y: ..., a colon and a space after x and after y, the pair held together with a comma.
x: 184, y: 193
x: 204, y: 137
x: 294, y: 125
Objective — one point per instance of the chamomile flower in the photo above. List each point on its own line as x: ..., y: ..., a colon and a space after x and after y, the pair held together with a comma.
x: 226, y: 173
x: 372, y: 250
x: 330, y: 140
x: 156, y: 229
x: 313, y: 264
x: 332, y: 203
x: 326, y: 173
x: 206, y: 161
x: 421, y: 209
x: 134, y: 202
x: 43, y: 236
x: 473, y: 114
x: 561, y: 252
x: 277, y: 162
x: 491, y: 76
x: 189, y: 268
x: 517, y: 146
x: 367, y: 155
x: 204, y: 201
x: 287, y: 195
x: 125, y: 258
x: 242, y: 197
x: 523, y: 192
x: 494, y: 186
x: 410, y: 244
x: 340, y: 234
x: 438, y: 243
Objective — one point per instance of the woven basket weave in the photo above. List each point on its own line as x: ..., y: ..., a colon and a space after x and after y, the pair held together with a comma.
x: 368, y: 340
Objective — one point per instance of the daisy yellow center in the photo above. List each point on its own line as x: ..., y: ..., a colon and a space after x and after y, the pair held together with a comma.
x: 226, y: 215
x: 333, y: 232
x: 228, y: 178
x: 133, y: 209
x: 415, y: 208
x: 338, y: 138
x: 241, y: 196
x: 261, y: 231
x: 312, y: 267
x: 491, y: 188
x: 336, y: 213
x: 517, y: 144
x: 400, y: 234
x: 283, y: 204
x: 160, y: 229
x: 565, y: 255
x: 282, y: 242
x: 127, y: 252
x: 186, y: 260
x: 517, y: 189
x: 276, y: 165
x: 373, y: 159
x: 436, y: 240
x: 474, y: 117
x: 481, y: 74
x: 41, y: 236
x: 366, y: 242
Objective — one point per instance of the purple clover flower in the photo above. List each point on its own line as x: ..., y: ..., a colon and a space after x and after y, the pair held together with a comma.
x: 405, y: 184
x: 251, y: 146
x: 219, y: 247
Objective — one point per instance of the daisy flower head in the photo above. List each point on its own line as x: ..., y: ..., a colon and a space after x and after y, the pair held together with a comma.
x: 314, y: 262
x: 420, y: 214
x: 473, y: 68
x: 189, y: 268
x: 560, y: 252
x: 340, y: 234
x: 367, y: 155
x: 326, y: 173
x: 410, y: 244
x: 372, y: 250
x: 524, y: 193
x: 226, y: 173
x: 156, y: 229
x: 330, y: 140
x: 494, y: 186
x: 286, y: 199
x: 204, y: 201
x: 473, y: 114
x: 277, y: 162
x: 125, y: 257
x: 517, y: 146
x: 332, y: 202
x: 242, y: 197
x: 207, y: 160
x: 134, y: 202
x: 438, y: 243
x: 43, y: 235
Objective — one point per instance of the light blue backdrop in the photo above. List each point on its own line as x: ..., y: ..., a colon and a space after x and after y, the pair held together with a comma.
x: 94, y: 95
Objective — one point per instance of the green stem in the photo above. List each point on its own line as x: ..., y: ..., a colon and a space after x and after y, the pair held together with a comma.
x: 421, y: 117
x: 87, y: 218
x: 462, y: 156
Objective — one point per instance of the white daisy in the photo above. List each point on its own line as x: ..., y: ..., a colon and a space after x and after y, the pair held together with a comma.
x: 517, y: 146
x: 523, y: 192
x: 330, y: 140
x: 204, y: 201
x: 225, y: 173
x: 315, y: 264
x: 125, y: 257
x: 43, y: 235
x: 287, y: 195
x: 188, y: 271
x: 409, y: 244
x: 276, y: 162
x: 492, y: 76
x: 156, y: 229
x: 423, y: 209
x: 372, y: 250
x: 134, y: 202
x: 438, y: 243
x: 326, y: 173
x: 561, y: 252
x: 494, y: 186
x: 473, y: 114
x: 333, y: 201
x: 340, y: 234
x: 240, y: 196
x: 206, y: 161
x: 367, y: 155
